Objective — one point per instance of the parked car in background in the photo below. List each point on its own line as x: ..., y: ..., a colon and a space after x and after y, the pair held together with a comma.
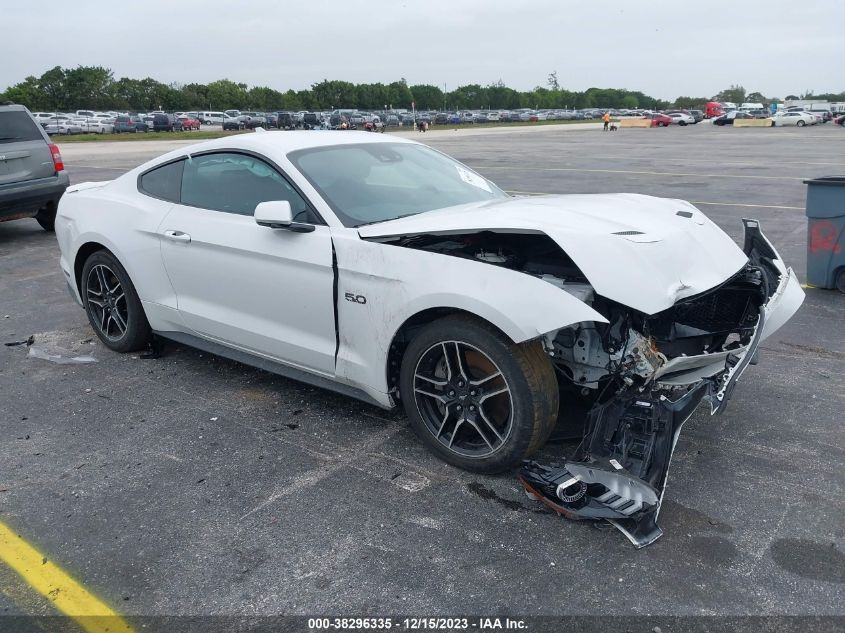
x: 840, y: 120
x: 189, y: 122
x: 232, y: 122
x: 166, y: 123
x: 757, y: 113
x: 211, y: 118
x: 659, y: 120
x: 43, y: 118
x: 32, y: 174
x: 311, y: 121
x: 681, y: 118
x: 253, y: 120
x: 129, y: 123
x: 729, y: 117
x: 97, y: 126
x: 285, y: 121
x: 63, y: 126
x: 796, y: 117
x: 698, y: 115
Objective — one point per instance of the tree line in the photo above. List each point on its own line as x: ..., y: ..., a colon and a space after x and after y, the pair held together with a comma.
x: 67, y: 89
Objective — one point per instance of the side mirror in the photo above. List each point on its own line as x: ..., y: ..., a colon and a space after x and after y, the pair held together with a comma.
x: 277, y: 214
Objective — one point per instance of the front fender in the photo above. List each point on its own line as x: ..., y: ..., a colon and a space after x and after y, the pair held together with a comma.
x: 397, y: 283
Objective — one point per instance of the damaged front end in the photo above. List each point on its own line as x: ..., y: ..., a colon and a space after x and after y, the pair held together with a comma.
x: 634, y: 382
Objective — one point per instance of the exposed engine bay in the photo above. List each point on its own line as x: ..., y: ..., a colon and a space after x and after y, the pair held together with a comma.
x: 627, y: 386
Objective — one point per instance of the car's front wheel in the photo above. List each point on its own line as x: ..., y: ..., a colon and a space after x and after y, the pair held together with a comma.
x: 477, y: 400
x: 112, y: 304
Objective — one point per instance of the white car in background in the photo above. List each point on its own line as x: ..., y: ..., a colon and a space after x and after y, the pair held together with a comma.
x: 387, y: 271
x: 63, y: 126
x: 681, y: 118
x: 99, y: 126
x: 43, y: 118
x: 799, y: 118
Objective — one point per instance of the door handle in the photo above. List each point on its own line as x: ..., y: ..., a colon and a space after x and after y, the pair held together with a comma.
x: 177, y: 236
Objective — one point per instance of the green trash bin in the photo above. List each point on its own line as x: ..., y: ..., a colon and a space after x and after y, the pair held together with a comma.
x: 826, y: 232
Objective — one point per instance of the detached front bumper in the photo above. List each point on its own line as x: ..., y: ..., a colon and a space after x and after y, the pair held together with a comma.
x: 620, y: 469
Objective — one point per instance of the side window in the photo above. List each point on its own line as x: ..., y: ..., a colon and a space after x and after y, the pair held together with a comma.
x: 237, y: 183
x: 164, y: 182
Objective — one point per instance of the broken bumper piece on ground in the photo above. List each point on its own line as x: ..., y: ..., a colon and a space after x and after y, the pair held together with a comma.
x: 638, y: 432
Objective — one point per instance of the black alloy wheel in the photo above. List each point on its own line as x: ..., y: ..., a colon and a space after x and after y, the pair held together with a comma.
x: 112, y: 304
x: 476, y: 399
x: 463, y: 399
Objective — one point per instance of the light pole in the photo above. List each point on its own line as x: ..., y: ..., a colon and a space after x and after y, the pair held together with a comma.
x: 444, y: 96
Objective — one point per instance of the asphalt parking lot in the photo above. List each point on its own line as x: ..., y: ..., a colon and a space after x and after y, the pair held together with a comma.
x: 192, y: 485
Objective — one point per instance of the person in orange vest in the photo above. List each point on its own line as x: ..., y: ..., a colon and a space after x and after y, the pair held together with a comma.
x: 606, y: 119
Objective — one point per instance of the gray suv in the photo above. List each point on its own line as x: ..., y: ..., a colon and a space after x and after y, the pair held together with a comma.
x: 32, y: 175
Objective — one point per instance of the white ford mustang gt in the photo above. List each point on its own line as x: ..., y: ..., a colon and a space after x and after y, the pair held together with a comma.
x: 380, y: 268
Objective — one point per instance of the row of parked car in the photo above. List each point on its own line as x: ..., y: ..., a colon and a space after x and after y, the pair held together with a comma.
x: 89, y: 122
x: 791, y: 117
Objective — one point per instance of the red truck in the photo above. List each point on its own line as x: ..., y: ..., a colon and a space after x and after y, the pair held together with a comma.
x: 713, y: 109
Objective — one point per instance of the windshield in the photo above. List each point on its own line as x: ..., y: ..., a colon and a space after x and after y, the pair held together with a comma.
x: 374, y: 182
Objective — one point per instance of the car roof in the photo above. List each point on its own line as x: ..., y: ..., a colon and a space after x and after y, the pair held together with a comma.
x: 275, y: 143
x: 291, y: 141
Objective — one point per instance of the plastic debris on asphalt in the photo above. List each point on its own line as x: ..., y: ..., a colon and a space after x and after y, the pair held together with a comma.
x: 37, y: 352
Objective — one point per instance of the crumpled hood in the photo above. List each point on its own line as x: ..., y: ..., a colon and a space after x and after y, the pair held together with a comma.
x: 641, y: 251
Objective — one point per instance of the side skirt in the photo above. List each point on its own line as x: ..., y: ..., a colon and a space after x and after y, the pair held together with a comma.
x: 267, y: 364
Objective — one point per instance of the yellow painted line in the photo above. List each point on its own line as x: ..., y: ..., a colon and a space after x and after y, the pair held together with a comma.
x: 55, y: 584
x: 640, y: 173
x: 716, y: 204
x: 808, y: 286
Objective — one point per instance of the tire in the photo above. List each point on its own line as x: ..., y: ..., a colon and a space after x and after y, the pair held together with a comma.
x: 839, y: 282
x: 682, y: 123
x: 126, y: 327
x: 46, y: 217
x: 480, y: 365
x: 801, y: 124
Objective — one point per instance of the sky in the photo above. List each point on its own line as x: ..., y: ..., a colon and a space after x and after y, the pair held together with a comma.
x: 665, y: 49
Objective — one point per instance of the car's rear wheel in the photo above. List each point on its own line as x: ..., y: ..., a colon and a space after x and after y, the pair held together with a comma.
x: 477, y: 400
x: 46, y: 217
x: 840, y: 281
x: 801, y: 124
x: 112, y: 304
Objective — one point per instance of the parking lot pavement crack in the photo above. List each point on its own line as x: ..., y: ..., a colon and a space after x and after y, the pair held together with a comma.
x: 314, y: 477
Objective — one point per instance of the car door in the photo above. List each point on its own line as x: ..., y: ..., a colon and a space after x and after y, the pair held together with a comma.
x: 267, y: 291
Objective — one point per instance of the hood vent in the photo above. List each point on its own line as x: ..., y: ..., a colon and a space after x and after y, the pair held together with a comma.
x: 628, y: 233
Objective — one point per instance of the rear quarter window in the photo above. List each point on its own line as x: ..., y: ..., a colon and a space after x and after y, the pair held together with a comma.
x: 17, y: 126
x: 164, y: 182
